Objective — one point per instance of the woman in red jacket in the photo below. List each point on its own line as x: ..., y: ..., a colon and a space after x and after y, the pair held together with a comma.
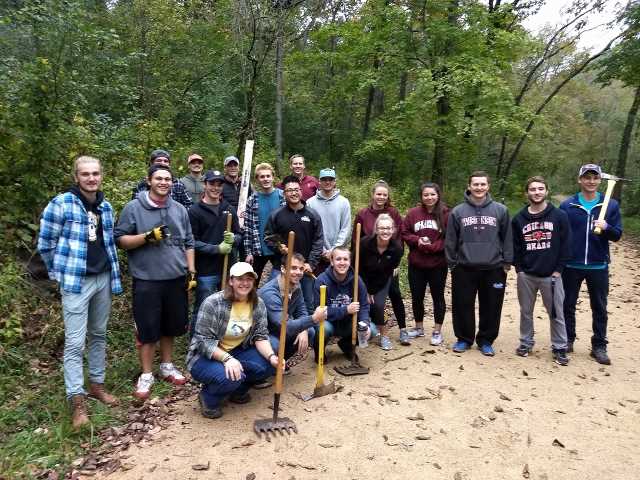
x: 381, y: 203
x: 423, y: 230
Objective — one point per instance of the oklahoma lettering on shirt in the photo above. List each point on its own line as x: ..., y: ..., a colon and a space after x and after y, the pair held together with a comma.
x: 479, y: 221
x: 426, y: 225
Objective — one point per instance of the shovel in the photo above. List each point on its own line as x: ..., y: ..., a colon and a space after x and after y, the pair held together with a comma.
x: 275, y: 424
x: 321, y: 389
x: 354, y: 368
x: 225, y: 262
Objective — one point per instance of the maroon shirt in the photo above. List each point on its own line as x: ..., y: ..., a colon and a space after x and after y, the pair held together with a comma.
x: 367, y: 218
x: 308, y: 185
x: 420, y: 223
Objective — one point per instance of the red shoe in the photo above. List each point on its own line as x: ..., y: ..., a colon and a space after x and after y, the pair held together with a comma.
x: 169, y: 373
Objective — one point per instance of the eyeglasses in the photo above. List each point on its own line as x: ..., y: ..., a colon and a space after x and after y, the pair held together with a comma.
x: 292, y: 190
x: 385, y: 229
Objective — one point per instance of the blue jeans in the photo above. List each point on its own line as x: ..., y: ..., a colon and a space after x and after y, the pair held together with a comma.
x: 206, y: 286
x: 289, y: 348
x: 216, y: 386
x: 342, y: 329
x: 86, y: 314
x: 598, y: 288
x: 306, y: 284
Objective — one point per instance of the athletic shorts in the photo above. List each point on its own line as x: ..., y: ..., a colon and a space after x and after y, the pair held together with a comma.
x: 160, y: 308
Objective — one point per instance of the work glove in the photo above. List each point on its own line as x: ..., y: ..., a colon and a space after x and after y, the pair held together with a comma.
x: 228, y: 237
x: 224, y: 248
x: 157, y: 234
x: 191, y: 282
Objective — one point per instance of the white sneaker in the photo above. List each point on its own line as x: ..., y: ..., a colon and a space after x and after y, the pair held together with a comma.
x: 143, y: 387
x: 416, y: 332
x: 385, y: 343
x: 169, y: 373
x: 436, y: 338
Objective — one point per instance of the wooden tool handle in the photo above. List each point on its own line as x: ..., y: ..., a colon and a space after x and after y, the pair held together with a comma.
x: 320, y: 371
x: 225, y: 262
x: 285, y: 315
x: 603, y: 210
x: 356, y: 268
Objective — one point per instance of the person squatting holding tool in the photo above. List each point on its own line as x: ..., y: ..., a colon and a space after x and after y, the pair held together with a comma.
x: 381, y: 203
x: 380, y: 255
x: 230, y: 349
x: 479, y: 250
x: 423, y: 230
x: 541, y: 249
x: 341, y: 305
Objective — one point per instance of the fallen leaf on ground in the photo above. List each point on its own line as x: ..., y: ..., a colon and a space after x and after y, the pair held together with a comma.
x: 201, y: 466
x: 557, y: 443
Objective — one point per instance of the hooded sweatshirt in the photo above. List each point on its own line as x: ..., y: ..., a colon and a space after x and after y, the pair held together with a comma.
x: 163, y: 260
x: 420, y: 223
x: 97, y: 258
x: 377, y: 268
x: 298, y: 318
x: 335, y: 213
x: 541, y: 241
x: 479, y: 236
x: 340, y: 295
x: 367, y: 218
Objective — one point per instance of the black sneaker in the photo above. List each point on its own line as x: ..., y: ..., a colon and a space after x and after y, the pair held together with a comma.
x: 240, y: 398
x: 208, y: 412
x: 600, y: 354
x: 570, y: 347
x: 523, y: 351
x: 560, y: 357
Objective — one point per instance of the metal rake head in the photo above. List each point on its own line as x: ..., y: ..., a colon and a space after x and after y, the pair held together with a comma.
x: 281, y: 425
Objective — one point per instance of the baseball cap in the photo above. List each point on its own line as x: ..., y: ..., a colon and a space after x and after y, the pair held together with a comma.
x: 327, y: 173
x: 213, y: 175
x: 192, y: 157
x: 241, y: 268
x: 159, y: 153
x: 590, y: 167
x: 230, y: 159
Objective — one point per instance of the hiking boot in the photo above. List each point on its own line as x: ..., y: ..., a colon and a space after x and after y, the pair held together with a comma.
x: 385, y: 343
x: 97, y: 391
x: 405, y: 339
x: 436, y: 338
x: 169, y: 373
x: 600, y: 354
x: 79, y: 417
x: 240, y: 398
x: 460, y: 346
x: 570, y: 347
x: 262, y: 384
x: 560, y: 357
x: 416, y: 332
x: 143, y: 386
x: 487, y: 350
x: 208, y: 412
x: 523, y: 351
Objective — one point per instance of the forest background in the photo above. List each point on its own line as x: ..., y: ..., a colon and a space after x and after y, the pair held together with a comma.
x: 403, y: 90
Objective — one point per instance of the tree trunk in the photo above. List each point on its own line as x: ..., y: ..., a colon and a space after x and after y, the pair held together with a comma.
x: 279, y: 88
x: 621, y: 165
x: 371, y: 98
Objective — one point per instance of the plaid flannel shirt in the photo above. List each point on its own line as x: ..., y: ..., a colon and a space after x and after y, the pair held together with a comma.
x: 211, y: 326
x: 178, y: 192
x: 63, y: 238
x: 251, y: 232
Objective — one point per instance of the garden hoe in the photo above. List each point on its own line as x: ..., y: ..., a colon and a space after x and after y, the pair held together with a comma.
x: 321, y: 389
x: 275, y: 424
x: 355, y: 368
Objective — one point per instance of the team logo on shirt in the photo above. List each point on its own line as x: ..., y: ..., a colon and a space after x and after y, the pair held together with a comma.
x: 237, y: 330
x: 341, y: 300
x: 538, y: 235
x: 305, y: 218
x: 425, y: 225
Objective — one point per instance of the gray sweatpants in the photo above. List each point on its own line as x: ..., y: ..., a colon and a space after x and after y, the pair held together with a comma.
x: 528, y: 286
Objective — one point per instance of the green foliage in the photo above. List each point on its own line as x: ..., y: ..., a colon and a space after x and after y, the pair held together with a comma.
x: 11, y: 298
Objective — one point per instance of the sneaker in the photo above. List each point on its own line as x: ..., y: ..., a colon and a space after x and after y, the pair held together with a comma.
x: 240, y: 398
x: 416, y: 332
x: 570, y: 347
x: 169, y: 373
x: 262, y: 384
x: 208, y: 412
x: 460, y: 346
x: 385, y: 343
x: 79, y: 416
x: 523, y: 351
x: 487, y: 350
x: 600, y: 354
x: 143, y: 387
x: 436, y: 338
x: 560, y: 357
x: 405, y: 339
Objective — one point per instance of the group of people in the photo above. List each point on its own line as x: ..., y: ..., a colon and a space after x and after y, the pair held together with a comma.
x: 176, y: 235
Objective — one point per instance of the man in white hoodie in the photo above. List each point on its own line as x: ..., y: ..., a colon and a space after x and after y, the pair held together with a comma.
x: 335, y: 212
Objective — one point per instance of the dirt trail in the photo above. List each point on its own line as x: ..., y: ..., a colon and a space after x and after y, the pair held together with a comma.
x: 474, y: 418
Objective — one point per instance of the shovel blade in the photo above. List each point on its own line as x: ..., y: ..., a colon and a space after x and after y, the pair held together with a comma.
x: 352, y: 369
x: 320, y: 391
x: 281, y: 425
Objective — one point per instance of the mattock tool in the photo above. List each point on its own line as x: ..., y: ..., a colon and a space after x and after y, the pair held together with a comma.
x: 611, y: 183
x: 355, y: 368
x: 321, y: 389
x: 283, y: 424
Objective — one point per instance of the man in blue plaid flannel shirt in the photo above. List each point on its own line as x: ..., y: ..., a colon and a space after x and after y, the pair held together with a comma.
x: 260, y: 204
x: 178, y: 190
x: 77, y: 246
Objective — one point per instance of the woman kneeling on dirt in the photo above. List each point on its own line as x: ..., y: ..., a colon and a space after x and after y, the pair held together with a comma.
x: 230, y: 348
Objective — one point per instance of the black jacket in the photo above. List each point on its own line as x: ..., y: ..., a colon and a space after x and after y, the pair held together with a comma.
x: 376, y: 268
x: 97, y: 258
x: 208, y: 224
x: 231, y: 191
x: 541, y: 242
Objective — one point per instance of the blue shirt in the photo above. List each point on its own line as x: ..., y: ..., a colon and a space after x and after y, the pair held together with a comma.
x: 267, y: 203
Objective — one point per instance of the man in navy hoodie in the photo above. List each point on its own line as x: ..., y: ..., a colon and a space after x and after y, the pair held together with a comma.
x: 541, y: 249
x: 590, y: 257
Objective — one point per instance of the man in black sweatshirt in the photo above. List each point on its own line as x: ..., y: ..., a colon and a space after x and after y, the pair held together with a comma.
x: 479, y: 251
x: 541, y: 249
